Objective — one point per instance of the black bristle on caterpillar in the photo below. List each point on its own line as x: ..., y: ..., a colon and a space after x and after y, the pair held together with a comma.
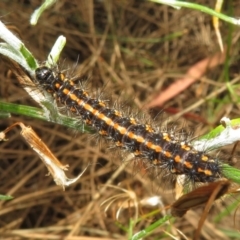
x: 159, y: 148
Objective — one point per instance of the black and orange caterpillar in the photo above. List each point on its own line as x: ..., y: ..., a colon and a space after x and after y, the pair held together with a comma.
x: 159, y: 148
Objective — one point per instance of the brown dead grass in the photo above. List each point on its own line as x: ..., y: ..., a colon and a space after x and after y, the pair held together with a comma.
x: 138, y: 49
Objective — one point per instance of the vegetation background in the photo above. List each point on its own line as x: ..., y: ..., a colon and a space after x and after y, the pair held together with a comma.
x: 136, y: 50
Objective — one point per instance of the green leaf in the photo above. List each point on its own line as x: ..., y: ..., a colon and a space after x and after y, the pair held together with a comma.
x: 199, y: 7
x: 151, y: 228
x: 5, y: 197
x: 28, y: 57
x: 231, y: 173
x: 38, y: 12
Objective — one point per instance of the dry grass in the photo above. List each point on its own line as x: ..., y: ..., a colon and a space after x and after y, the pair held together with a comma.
x: 138, y: 49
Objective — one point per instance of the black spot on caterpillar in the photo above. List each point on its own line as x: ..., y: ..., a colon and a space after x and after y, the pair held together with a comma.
x: 159, y: 148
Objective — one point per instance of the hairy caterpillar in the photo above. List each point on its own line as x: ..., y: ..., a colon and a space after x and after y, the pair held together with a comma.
x: 159, y: 148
